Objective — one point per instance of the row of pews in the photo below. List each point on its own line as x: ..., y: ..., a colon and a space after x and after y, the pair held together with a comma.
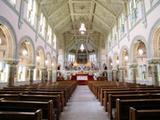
x: 43, y: 101
x: 127, y: 101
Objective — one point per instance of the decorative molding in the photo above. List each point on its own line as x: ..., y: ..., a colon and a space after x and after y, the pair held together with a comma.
x: 154, y: 61
x: 6, y: 23
x: 133, y: 65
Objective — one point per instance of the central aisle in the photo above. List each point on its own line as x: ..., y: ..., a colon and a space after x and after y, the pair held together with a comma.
x: 83, y: 106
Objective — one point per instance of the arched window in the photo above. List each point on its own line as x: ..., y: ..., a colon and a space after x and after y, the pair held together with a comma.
x: 92, y: 57
x: 114, y: 35
x: 54, y: 41
x: 135, y: 11
x: 49, y: 35
x: 71, y: 57
x: 42, y: 25
x: 122, y: 24
x: 109, y: 42
x: 31, y: 11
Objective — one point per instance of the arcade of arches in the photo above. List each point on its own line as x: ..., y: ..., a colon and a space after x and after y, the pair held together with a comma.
x: 21, y: 62
x: 49, y: 41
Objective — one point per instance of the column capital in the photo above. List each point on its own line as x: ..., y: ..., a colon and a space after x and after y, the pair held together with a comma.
x: 41, y: 68
x: 154, y: 61
x: 31, y: 66
x: 133, y: 65
x: 11, y: 61
x: 122, y: 67
x: 115, y: 69
x: 49, y: 68
x: 44, y: 68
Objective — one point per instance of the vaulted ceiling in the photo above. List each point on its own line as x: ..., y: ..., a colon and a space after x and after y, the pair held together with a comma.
x: 65, y: 16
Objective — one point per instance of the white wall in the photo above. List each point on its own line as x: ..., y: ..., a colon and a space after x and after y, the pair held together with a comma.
x: 140, y: 31
x: 11, y: 15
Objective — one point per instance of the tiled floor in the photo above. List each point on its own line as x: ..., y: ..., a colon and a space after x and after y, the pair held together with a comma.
x: 83, y: 106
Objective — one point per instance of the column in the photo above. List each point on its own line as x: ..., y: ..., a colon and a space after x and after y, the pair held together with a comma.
x: 109, y: 75
x: 114, y: 74
x: 153, y: 63
x: 122, y: 74
x: 133, y: 68
x: 31, y: 71
x: 49, y: 74
x: 54, y: 74
x: 12, y: 71
x: 43, y: 74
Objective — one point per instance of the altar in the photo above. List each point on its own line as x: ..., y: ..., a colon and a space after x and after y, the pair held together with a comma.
x: 82, y: 78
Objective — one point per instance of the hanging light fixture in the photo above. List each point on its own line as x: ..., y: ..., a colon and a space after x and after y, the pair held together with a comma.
x: 126, y: 57
x: 82, y: 47
x: 82, y: 28
x: 37, y: 57
x: 140, y: 51
x: 46, y: 62
x: 25, y: 52
x: 117, y: 61
x: 52, y: 64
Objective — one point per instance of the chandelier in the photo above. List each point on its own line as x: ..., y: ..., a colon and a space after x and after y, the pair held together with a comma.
x: 82, y: 47
x: 82, y: 28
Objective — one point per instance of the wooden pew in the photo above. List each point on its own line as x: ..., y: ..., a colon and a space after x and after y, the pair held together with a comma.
x: 125, y: 89
x: 112, y: 99
x: 12, y: 115
x: 145, y: 114
x: 12, y: 105
x: 106, y: 95
x: 36, y: 92
x: 28, y: 97
x: 122, y: 106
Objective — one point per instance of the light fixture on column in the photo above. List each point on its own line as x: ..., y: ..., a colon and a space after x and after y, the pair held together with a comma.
x: 126, y: 57
x: 111, y: 64
x: 117, y: 61
x: 37, y: 58
x: 46, y: 62
x: 82, y: 47
x: 52, y: 64
x: 140, y: 51
x: 24, y: 52
x: 82, y: 28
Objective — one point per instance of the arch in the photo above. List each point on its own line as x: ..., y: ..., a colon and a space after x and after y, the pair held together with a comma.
x: 11, y: 37
x: 150, y: 46
x: 30, y: 46
x: 156, y: 43
x: 121, y: 54
x: 41, y: 60
x: 132, y: 53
